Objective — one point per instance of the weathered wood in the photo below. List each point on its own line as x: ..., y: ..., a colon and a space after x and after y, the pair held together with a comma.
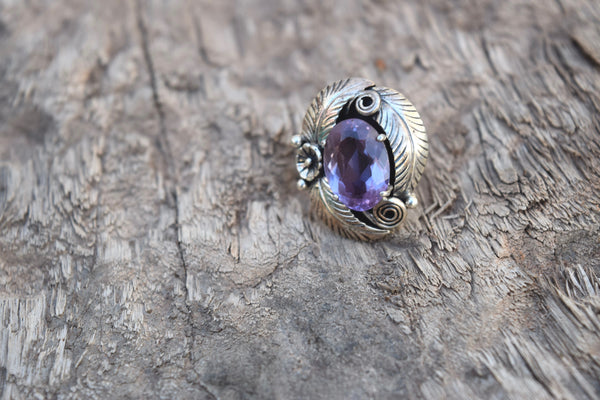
x: 152, y: 242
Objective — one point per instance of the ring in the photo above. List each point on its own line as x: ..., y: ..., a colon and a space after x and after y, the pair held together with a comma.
x: 361, y: 153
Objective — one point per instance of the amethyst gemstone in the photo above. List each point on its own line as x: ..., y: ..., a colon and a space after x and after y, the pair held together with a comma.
x: 357, y: 166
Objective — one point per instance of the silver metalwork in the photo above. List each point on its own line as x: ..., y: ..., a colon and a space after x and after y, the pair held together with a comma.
x: 404, y: 136
x: 308, y: 161
x: 389, y: 213
x: 368, y: 102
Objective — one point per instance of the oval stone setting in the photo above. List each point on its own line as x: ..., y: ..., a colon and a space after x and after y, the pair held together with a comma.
x: 356, y: 164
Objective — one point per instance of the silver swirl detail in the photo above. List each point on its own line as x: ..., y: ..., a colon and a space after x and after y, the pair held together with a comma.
x: 389, y: 213
x: 368, y: 102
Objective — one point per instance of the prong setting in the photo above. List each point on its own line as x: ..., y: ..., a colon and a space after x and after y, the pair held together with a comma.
x: 387, y: 193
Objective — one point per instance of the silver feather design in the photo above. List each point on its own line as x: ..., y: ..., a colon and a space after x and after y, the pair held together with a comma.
x: 325, y: 108
x: 339, y: 217
x: 407, y: 137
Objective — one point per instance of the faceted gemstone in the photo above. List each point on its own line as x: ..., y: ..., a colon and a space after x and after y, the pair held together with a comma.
x: 357, y: 166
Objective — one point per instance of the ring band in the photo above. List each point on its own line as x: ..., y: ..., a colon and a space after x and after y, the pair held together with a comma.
x: 361, y: 153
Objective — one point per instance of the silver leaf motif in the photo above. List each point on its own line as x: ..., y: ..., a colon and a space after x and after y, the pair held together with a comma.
x: 341, y: 218
x: 325, y: 108
x: 407, y: 137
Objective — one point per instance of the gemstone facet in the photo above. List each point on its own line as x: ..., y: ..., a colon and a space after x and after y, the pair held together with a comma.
x: 356, y: 164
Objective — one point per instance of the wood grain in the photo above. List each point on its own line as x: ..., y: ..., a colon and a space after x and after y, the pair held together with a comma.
x: 153, y: 244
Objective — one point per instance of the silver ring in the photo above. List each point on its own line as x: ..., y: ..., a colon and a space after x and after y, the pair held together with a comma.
x: 361, y: 153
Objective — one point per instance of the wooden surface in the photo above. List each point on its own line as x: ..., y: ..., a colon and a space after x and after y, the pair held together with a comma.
x: 152, y: 242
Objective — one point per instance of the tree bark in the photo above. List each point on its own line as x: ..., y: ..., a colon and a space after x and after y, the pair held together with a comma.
x: 153, y: 244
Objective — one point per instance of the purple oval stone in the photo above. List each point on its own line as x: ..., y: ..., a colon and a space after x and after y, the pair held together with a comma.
x: 357, y: 166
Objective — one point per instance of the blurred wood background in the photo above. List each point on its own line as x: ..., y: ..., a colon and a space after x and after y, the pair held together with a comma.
x: 153, y: 244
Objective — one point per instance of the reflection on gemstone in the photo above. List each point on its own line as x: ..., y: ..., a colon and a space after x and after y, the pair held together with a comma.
x: 357, y: 166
